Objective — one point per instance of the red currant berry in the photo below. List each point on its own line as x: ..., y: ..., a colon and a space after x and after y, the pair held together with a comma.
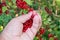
x: 42, y: 30
x: 50, y: 35
x: 48, y: 10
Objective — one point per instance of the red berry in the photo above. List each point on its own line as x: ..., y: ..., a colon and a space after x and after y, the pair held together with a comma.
x: 47, y: 10
x: 50, y: 35
x: 3, y: 4
x: 0, y: 11
x: 7, y: 12
x: 40, y: 38
x: 0, y: 5
x: 28, y: 24
x: 42, y: 30
x: 0, y: 8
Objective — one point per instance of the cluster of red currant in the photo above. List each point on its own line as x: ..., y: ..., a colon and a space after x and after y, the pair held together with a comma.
x: 28, y: 23
x: 23, y: 5
x: 42, y: 32
x: 48, y: 10
x: 51, y: 35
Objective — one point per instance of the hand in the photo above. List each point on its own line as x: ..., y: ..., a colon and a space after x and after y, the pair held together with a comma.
x: 13, y: 30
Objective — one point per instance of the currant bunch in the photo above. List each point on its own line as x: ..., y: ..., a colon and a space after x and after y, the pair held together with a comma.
x: 22, y: 4
x: 28, y: 23
x: 48, y: 10
x: 42, y: 30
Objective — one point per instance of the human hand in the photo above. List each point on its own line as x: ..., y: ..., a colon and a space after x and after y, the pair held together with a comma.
x: 13, y: 30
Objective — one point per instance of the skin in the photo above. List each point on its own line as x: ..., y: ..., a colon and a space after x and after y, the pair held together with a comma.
x: 13, y: 30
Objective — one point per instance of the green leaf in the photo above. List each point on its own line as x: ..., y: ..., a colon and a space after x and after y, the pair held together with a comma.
x: 58, y: 34
x: 44, y: 15
x: 14, y: 6
x: 35, y: 38
x: 29, y: 2
x: 51, y: 38
x: 20, y: 12
x: 35, y: 6
x: 4, y: 8
x: 14, y: 1
x: 25, y: 11
x: 11, y: 11
x: 52, y: 26
x: 10, y: 4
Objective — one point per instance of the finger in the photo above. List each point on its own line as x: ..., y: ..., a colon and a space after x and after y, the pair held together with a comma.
x: 40, y: 22
x: 36, y: 24
x: 24, y: 18
x: 24, y: 36
x: 30, y: 34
